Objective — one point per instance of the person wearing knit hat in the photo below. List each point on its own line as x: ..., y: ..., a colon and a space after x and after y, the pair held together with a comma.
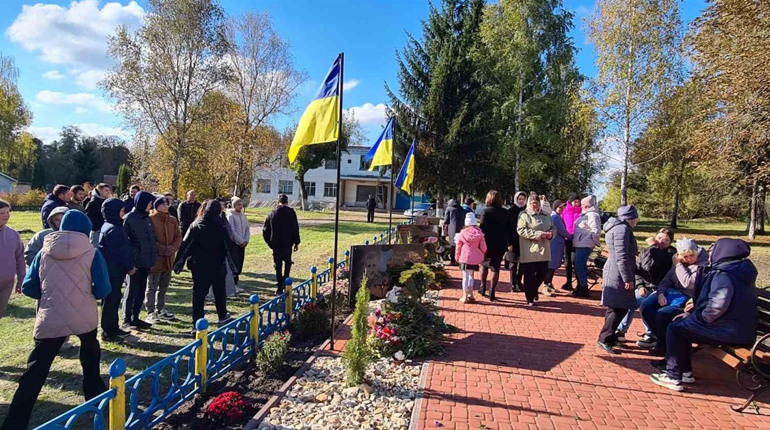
x: 470, y: 251
x: 586, y: 236
x: 557, y: 245
x: 168, y: 238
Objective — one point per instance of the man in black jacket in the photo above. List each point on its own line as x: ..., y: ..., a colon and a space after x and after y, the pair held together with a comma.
x: 371, y: 205
x: 281, y: 231
x: 129, y: 201
x: 144, y: 252
x: 188, y: 211
x: 58, y: 197
x: 98, y: 195
x: 454, y: 220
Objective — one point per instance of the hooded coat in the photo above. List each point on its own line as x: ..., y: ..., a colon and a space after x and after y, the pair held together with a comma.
x: 471, y: 246
x: 141, y: 233
x: 454, y: 219
x: 531, y: 228
x: 587, y: 228
x: 206, y: 242
x: 558, y: 241
x: 726, y: 301
x: 620, y: 267
x: 113, y: 241
x: 50, y: 203
x: 94, y: 210
x: 67, y: 277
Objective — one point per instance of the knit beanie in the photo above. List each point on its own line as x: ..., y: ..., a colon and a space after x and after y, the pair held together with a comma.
x: 572, y: 197
x: 159, y: 201
x: 626, y: 213
x: 557, y: 204
x: 470, y: 219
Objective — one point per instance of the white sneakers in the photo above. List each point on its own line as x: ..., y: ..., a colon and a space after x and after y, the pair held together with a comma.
x: 165, y: 314
x: 663, y: 380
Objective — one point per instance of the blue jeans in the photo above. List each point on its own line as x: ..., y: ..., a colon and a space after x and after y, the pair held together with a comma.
x: 581, y: 267
x: 658, y: 318
x: 640, y: 301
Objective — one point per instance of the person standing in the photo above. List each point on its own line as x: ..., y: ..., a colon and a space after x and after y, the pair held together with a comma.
x: 471, y: 248
x: 12, y: 266
x: 129, y: 201
x: 454, y: 217
x: 144, y: 254
x: 535, y: 233
x: 188, y: 211
x: 77, y: 195
x: 36, y: 243
x: 281, y: 232
x: 57, y: 198
x: 116, y: 249
x: 557, y: 245
x: 205, y: 249
x: 371, y: 205
x: 618, y: 275
x: 512, y: 256
x: 168, y: 239
x: 469, y: 205
x: 498, y: 231
x: 172, y: 205
x: 239, y: 227
x: 66, y: 277
x: 587, y: 236
x: 569, y: 216
x: 99, y: 194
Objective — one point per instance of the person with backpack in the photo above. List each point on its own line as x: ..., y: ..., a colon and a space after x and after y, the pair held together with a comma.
x: 471, y: 248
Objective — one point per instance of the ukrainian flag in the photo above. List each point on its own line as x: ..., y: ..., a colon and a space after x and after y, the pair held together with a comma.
x: 381, y: 153
x: 320, y: 121
x: 406, y: 175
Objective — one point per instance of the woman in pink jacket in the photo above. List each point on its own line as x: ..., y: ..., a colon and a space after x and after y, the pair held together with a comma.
x: 569, y: 216
x: 470, y: 251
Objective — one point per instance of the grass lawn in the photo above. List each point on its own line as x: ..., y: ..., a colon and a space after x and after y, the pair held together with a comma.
x: 63, y: 388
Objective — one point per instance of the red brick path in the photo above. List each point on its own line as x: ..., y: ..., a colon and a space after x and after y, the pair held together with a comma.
x: 516, y: 367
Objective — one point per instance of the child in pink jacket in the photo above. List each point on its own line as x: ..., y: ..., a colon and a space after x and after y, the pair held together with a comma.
x: 470, y: 251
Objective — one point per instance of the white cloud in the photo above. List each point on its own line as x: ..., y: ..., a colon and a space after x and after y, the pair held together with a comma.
x: 90, y: 78
x: 369, y: 113
x: 53, y: 75
x: 81, y: 110
x: 86, y: 100
x: 46, y: 134
x: 349, y: 85
x: 49, y: 134
x: 76, y: 34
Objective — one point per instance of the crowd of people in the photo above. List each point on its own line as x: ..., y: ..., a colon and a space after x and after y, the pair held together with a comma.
x: 93, y: 243
x: 685, y: 294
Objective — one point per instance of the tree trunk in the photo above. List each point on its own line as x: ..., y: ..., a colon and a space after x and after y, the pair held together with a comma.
x: 624, y: 178
x: 302, y: 196
x: 677, y: 194
x: 175, y: 177
x: 519, y: 116
x: 753, y: 209
x: 762, y: 203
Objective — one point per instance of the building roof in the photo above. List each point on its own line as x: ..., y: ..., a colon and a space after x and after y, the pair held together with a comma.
x: 8, y: 177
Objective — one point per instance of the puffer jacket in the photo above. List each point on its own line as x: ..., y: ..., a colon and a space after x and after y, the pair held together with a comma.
x: 239, y: 227
x: 67, y: 277
x: 570, y: 215
x: 471, y: 246
x: 587, y: 229
x: 620, y: 267
x: 167, y: 234
x: 113, y: 241
x: 531, y: 228
x: 141, y: 233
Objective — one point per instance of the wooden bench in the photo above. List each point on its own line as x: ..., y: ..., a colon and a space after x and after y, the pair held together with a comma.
x: 752, y: 366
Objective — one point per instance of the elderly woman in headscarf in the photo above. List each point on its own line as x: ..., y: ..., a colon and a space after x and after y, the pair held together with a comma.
x: 619, y: 274
x: 535, y: 233
x: 206, y: 250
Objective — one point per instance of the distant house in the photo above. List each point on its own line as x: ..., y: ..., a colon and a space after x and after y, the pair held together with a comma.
x: 7, y: 183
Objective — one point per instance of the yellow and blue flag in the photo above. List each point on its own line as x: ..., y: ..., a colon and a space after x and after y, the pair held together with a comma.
x: 320, y: 121
x: 406, y: 175
x: 381, y: 154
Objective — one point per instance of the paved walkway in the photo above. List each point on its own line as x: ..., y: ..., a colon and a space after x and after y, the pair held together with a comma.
x: 516, y: 367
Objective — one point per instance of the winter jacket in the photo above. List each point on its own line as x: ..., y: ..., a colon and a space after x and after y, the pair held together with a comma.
x: 513, y: 215
x: 371, y: 204
x: 281, y: 229
x: 206, y: 243
x: 681, y: 277
x: 454, y: 219
x: 67, y: 277
x: 187, y: 214
x: 139, y: 229
x: 471, y: 246
x: 654, y: 263
x: 50, y: 203
x: 726, y: 303
x: 620, y: 267
x: 75, y: 205
x: 558, y: 241
x: 167, y: 234
x: 35, y: 245
x: 531, y: 227
x: 239, y: 227
x: 128, y: 203
x: 11, y: 256
x: 570, y: 215
x: 94, y: 210
x: 113, y: 241
x: 497, y: 227
x: 587, y: 229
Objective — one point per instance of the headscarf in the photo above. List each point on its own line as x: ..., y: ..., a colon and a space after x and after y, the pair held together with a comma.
x: 516, y: 199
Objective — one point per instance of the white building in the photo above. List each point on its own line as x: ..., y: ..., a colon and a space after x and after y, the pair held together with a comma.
x: 356, y: 182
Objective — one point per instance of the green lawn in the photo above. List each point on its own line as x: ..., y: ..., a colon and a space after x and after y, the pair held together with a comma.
x: 63, y: 388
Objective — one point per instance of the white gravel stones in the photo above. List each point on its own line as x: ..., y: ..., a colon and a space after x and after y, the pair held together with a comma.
x: 320, y: 399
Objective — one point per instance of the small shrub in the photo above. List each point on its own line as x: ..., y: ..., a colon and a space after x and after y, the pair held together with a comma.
x: 417, y: 279
x: 357, y: 354
x: 228, y: 407
x: 313, y: 319
x: 30, y: 198
x: 270, y: 356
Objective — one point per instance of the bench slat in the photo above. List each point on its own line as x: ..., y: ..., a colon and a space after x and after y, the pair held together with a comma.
x: 724, y: 356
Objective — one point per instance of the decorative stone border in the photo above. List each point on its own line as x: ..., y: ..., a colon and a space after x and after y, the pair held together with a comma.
x: 414, y: 422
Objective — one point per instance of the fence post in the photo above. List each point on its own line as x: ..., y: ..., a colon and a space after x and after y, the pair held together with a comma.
x: 255, y: 316
x: 289, y: 298
x: 374, y: 240
x: 347, y: 259
x: 202, y: 354
x: 382, y: 238
x: 366, y: 242
x: 331, y: 267
x: 117, y: 417
x: 313, y: 283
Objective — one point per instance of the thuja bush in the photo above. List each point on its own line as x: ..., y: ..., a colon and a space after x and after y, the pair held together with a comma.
x: 270, y: 356
x: 417, y: 279
x: 313, y: 319
x: 357, y: 354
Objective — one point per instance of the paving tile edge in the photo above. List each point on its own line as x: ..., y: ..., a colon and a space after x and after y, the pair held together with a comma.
x: 414, y: 421
x: 281, y: 392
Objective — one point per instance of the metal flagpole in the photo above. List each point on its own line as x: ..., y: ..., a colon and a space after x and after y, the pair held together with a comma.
x: 337, y: 206
x: 391, y: 193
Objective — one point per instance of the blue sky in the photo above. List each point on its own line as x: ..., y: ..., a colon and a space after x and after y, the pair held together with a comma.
x: 60, y: 50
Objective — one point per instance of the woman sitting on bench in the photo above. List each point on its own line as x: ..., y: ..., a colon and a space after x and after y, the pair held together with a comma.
x: 725, y: 312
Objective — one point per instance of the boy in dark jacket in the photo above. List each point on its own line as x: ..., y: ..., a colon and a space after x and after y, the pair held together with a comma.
x: 94, y: 210
x: 114, y: 245
x: 281, y: 232
x: 57, y: 198
x: 144, y: 252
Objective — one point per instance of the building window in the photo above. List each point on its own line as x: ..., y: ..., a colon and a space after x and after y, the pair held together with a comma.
x: 263, y: 186
x: 330, y: 189
x: 309, y: 189
x: 363, y: 164
x: 286, y: 187
x: 330, y: 164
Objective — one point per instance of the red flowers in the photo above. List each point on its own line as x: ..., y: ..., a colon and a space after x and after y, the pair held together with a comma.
x: 229, y: 406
